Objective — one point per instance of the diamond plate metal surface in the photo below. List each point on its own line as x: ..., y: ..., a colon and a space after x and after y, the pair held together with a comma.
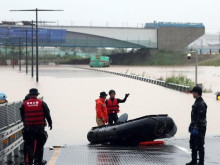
x: 112, y: 155
x: 168, y: 154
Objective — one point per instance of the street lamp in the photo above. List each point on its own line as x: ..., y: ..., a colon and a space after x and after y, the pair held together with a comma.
x: 26, y: 39
x: 36, y: 11
x: 32, y: 42
x: 19, y: 54
x: 219, y: 43
x: 26, y: 51
x: 32, y: 48
x: 27, y: 23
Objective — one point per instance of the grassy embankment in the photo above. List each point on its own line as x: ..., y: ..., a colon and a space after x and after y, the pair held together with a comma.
x: 211, y: 62
x: 180, y: 79
x: 183, y: 80
x: 163, y: 58
x: 146, y: 58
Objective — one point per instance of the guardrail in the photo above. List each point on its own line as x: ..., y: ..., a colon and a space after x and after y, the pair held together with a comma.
x: 10, y: 132
x: 11, y: 126
x: 177, y: 87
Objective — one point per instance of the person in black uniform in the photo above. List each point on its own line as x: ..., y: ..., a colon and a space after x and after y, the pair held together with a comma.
x: 113, y: 106
x: 34, y: 113
x: 197, y: 127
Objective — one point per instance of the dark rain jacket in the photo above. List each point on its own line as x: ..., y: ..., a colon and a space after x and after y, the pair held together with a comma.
x: 198, y: 115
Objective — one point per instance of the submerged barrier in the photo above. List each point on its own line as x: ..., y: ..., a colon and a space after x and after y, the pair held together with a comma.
x: 177, y: 87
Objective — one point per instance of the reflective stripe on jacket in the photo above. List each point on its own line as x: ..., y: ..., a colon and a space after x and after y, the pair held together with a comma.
x: 33, y: 112
x: 112, y: 106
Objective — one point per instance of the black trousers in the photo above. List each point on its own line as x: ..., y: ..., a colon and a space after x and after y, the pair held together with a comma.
x: 112, y: 117
x: 197, y: 145
x: 34, y: 135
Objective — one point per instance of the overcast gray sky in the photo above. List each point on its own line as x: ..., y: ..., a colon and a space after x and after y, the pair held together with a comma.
x: 117, y: 12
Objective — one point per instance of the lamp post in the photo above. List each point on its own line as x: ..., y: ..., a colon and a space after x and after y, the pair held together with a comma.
x: 32, y: 45
x: 196, y: 64
x: 6, y: 51
x: 19, y: 54
x: 32, y: 49
x: 219, y: 43
x: 13, y: 59
x: 196, y: 69
x: 37, y: 78
x: 36, y: 11
x: 26, y: 33
x: 6, y: 54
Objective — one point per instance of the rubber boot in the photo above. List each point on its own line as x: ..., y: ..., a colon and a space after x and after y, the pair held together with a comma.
x: 43, y: 162
x: 194, y: 158
x: 191, y: 163
x: 201, y: 157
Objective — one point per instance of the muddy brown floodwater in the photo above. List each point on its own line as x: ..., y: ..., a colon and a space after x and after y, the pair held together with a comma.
x: 70, y: 94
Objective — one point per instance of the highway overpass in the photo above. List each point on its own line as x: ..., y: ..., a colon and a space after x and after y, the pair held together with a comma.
x: 163, y: 36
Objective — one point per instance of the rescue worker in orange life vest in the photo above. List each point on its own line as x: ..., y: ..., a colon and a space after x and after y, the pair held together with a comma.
x: 113, y: 106
x: 101, y: 110
x: 34, y: 113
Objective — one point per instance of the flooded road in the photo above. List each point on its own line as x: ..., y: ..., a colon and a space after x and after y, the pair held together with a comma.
x: 71, y: 92
x: 209, y: 76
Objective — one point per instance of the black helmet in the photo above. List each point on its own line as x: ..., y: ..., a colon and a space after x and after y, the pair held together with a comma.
x: 111, y: 91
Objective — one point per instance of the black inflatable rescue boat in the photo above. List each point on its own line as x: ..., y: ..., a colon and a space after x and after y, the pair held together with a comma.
x: 132, y: 132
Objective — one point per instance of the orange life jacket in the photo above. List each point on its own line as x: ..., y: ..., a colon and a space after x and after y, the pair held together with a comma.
x: 33, y: 112
x: 112, y: 106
